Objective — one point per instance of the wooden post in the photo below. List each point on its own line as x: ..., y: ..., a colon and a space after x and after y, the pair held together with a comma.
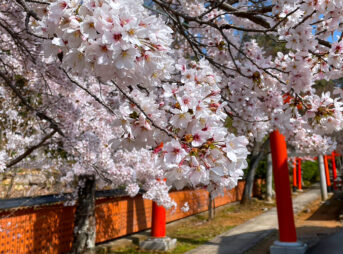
x: 158, y: 220
x: 158, y: 223
x: 282, y: 190
x: 288, y: 237
x: 334, y: 169
x: 295, y: 174
x: 299, y: 175
x: 327, y: 174
x: 158, y: 240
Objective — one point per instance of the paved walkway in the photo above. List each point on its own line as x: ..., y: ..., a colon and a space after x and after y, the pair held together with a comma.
x: 245, y: 236
x: 329, y: 245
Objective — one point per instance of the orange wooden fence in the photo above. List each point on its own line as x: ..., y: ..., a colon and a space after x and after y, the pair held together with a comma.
x: 49, y: 228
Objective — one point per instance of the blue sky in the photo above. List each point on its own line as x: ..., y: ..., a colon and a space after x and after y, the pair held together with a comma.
x: 335, y: 37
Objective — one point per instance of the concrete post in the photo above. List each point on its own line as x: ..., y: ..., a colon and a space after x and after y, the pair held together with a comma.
x: 269, y: 177
x: 323, y: 187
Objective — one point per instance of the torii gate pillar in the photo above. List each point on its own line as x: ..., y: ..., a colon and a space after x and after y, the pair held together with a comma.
x: 299, y: 176
x: 327, y: 173
x: 288, y: 243
x: 158, y: 240
x: 295, y: 175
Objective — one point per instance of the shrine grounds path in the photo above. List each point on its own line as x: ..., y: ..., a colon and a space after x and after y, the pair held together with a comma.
x: 247, y: 235
x: 319, y: 225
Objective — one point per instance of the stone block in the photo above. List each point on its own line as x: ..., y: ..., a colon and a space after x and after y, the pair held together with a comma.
x: 288, y: 248
x: 158, y: 244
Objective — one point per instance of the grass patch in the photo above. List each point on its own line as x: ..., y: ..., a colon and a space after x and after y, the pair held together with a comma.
x: 197, y: 230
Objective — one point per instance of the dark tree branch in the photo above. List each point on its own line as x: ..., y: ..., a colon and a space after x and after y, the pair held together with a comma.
x: 251, y: 16
x: 29, y: 150
x: 29, y: 12
x: 40, y: 114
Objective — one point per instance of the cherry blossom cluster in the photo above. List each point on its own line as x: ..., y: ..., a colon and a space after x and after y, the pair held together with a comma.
x: 255, y: 98
x: 198, y: 150
x: 182, y: 126
x: 107, y: 39
x: 325, y: 113
x: 209, y: 154
x: 193, y: 7
x: 303, y: 140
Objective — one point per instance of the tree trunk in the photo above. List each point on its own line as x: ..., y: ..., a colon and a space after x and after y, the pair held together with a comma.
x: 84, y: 223
x: 211, y: 207
x: 256, y: 156
x: 269, y: 177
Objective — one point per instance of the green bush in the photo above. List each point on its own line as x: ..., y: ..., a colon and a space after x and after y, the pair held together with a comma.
x: 310, y: 171
x: 261, y: 171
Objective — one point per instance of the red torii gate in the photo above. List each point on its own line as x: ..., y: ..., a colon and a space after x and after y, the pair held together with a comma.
x: 287, y: 233
x: 334, y: 169
x: 297, y: 171
x: 288, y: 238
x: 297, y: 184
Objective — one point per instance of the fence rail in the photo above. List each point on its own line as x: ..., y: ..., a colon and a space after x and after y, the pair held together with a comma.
x: 51, y: 199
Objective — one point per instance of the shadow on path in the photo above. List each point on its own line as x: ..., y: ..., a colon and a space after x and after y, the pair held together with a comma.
x: 332, y: 244
x: 329, y: 210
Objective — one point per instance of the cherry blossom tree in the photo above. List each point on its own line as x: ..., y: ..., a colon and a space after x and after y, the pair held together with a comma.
x: 130, y: 93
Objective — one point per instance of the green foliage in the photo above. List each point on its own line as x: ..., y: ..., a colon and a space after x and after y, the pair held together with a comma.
x: 270, y: 44
x: 323, y: 85
x: 21, y: 81
x: 261, y: 171
x: 228, y: 125
x: 310, y: 172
